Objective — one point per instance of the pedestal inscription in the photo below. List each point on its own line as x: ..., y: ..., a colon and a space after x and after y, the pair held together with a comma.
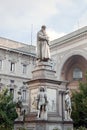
x: 33, y: 97
x: 51, y: 94
x: 40, y: 127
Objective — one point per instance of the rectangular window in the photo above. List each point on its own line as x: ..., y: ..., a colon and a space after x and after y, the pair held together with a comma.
x: 33, y: 61
x: 24, y: 69
x: 77, y: 74
x: 12, y: 91
x: 24, y: 95
x: 12, y: 81
x: 0, y: 64
x: 12, y: 67
x: 24, y: 83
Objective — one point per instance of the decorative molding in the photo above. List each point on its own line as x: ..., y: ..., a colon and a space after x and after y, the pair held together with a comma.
x: 25, y: 62
x: 70, y: 38
x: 12, y: 86
x: 14, y: 76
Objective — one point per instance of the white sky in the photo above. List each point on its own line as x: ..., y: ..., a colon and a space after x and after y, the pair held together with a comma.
x: 61, y: 17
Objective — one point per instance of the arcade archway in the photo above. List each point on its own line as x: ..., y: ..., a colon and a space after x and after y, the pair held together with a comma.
x: 74, y: 69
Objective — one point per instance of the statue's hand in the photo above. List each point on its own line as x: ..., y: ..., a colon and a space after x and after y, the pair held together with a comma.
x: 47, y: 102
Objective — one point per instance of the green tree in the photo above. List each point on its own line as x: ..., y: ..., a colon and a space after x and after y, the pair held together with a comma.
x: 79, y: 105
x: 7, y: 110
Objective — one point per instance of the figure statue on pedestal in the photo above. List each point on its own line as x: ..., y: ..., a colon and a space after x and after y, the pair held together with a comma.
x: 19, y: 104
x: 42, y: 104
x: 43, y: 52
x: 68, y: 108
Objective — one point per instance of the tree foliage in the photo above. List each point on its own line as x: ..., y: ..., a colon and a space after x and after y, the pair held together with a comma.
x: 79, y: 105
x: 7, y: 110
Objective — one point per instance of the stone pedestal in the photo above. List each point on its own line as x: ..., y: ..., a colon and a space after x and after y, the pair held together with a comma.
x: 44, y: 125
x: 44, y: 75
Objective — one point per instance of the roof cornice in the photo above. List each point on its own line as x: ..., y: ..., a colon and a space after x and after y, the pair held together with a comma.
x: 71, y: 36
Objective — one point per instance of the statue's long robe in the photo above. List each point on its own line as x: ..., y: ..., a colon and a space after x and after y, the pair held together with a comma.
x: 67, y: 102
x: 43, y: 51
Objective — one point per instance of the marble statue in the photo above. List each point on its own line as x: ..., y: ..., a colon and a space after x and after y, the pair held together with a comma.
x: 68, y: 108
x: 43, y: 52
x: 19, y: 104
x: 42, y: 104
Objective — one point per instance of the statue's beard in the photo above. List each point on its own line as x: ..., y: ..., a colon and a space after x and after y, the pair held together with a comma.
x: 44, y: 32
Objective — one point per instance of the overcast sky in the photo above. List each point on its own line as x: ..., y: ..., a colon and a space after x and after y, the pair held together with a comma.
x: 18, y: 18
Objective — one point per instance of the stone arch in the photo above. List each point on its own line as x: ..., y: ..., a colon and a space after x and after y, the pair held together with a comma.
x: 73, y: 60
x: 67, y: 56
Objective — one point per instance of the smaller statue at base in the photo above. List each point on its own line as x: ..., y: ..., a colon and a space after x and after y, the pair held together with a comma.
x: 42, y: 104
x: 68, y: 108
x: 19, y: 104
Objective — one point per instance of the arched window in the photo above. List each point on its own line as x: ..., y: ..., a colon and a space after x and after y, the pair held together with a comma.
x: 77, y: 74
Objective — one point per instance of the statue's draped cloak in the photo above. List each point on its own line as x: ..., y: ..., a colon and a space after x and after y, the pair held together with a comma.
x: 43, y: 51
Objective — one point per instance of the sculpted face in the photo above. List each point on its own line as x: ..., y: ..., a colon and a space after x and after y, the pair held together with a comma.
x: 43, y: 27
x: 42, y: 89
x: 67, y: 92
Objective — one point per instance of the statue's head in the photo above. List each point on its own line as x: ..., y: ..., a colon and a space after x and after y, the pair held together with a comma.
x: 67, y: 91
x: 42, y: 89
x: 19, y: 92
x: 43, y: 27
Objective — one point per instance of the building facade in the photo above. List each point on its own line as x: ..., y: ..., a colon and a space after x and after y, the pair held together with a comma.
x: 16, y: 63
x: 70, y: 57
